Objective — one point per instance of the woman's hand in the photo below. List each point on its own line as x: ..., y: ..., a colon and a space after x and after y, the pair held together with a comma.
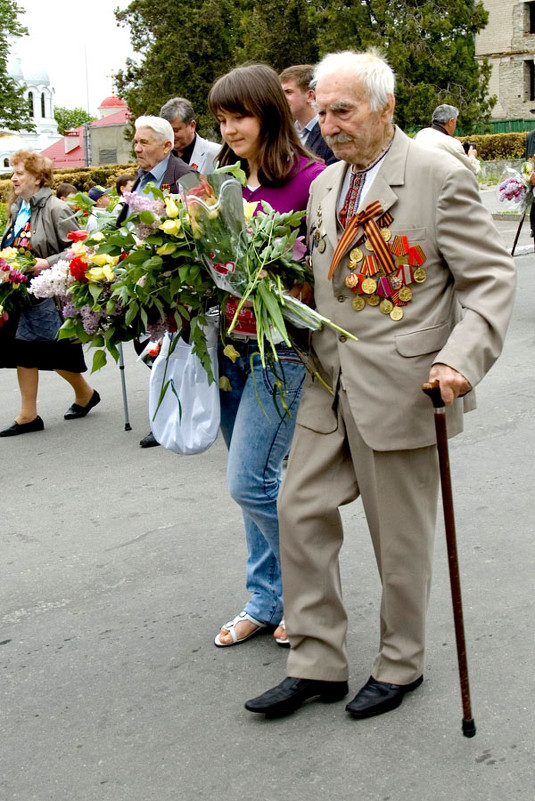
x: 39, y: 266
x: 304, y: 293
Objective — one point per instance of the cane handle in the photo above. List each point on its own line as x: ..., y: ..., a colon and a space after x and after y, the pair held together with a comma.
x: 432, y: 390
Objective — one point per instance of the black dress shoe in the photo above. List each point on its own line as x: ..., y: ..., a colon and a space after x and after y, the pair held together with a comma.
x: 23, y: 428
x: 377, y: 697
x: 75, y: 411
x: 288, y: 696
x: 149, y: 441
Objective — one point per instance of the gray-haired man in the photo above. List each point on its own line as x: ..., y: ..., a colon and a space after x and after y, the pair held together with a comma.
x: 199, y: 153
x: 440, y: 135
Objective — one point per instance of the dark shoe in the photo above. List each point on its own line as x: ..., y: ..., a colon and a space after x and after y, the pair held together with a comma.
x: 149, y: 441
x: 76, y: 411
x: 288, y: 696
x: 377, y: 697
x: 23, y: 428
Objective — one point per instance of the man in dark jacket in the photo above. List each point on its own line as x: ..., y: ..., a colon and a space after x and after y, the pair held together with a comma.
x: 300, y: 95
x: 153, y: 142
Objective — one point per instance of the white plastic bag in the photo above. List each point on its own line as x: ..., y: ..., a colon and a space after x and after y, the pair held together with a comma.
x: 188, y: 418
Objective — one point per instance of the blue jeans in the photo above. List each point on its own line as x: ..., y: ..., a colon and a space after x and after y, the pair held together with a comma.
x: 258, y: 438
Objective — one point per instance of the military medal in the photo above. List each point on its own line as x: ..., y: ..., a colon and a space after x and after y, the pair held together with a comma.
x: 369, y: 286
x: 386, y: 306
x: 359, y: 303
x: 356, y: 255
x: 386, y: 233
x: 373, y: 300
x: 322, y: 245
x: 396, y: 313
x: 420, y: 275
x: 405, y: 294
x: 352, y: 281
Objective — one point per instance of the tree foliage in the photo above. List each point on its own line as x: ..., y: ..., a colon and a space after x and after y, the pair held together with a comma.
x: 68, y: 118
x: 429, y: 43
x: 14, y: 109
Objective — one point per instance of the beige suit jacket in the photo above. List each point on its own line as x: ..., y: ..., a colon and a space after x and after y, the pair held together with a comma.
x: 458, y: 316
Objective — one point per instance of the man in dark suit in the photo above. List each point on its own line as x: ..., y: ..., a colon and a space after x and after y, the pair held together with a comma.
x: 153, y: 142
x: 300, y: 95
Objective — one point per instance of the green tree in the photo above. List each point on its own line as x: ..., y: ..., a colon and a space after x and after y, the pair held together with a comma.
x: 278, y: 32
x: 430, y: 44
x: 184, y: 48
x: 68, y: 118
x: 14, y: 109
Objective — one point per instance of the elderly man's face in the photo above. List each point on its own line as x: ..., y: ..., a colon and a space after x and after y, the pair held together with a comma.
x: 149, y: 148
x: 352, y: 130
x: 184, y: 134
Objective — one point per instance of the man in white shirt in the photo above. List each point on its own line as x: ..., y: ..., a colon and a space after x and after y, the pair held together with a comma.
x: 440, y: 135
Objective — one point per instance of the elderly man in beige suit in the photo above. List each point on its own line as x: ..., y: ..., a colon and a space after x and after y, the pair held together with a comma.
x: 405, y: 257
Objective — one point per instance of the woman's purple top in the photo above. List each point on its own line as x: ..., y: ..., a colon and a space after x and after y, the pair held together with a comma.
x: 293, y: 196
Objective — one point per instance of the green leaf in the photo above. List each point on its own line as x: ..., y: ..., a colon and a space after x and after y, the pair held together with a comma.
x: 99, y: 360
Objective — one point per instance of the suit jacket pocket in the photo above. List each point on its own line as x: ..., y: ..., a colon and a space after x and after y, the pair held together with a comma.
x: 316, y: 408
x: 424, y: 340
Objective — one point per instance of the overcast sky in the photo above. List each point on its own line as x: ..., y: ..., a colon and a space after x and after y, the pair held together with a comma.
x: 80, y: 46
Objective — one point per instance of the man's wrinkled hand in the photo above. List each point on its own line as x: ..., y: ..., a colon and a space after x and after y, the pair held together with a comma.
x: 452, y: 383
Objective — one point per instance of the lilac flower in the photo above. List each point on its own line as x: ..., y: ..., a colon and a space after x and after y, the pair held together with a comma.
x: 90, y: 320
x: 144, y: 203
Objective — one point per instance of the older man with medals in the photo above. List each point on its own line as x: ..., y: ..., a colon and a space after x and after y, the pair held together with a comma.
x: 406, y: 257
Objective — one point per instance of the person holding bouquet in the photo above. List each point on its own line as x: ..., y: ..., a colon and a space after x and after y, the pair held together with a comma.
x: 39, y: 223
x: 258, y: 130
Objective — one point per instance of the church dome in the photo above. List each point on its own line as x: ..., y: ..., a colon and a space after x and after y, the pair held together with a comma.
x: 112, y: 102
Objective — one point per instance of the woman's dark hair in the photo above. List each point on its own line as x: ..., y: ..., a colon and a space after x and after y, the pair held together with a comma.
x: 64, y: 190
x: 254, y: 90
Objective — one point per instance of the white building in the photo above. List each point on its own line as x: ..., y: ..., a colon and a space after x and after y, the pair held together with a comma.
x: 28, y: 72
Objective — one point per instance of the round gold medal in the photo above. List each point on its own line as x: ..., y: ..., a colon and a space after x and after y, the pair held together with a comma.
x: 386, y: 233
x: 386, y: 306
x: 419, y: 275
x: 356, y: 255
x: 358, y: 302
x: 369, y: 286
x: 373, y: 300
x: 369, y: 246
x: 397, y: 313
x: 405, y: 294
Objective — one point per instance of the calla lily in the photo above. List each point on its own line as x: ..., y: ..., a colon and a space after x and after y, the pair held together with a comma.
x: 97, y: 274
x: 171, y: 207
x: 249, y: 210
x: 166, y: 250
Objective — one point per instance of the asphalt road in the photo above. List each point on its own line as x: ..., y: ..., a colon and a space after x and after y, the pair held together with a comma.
x: 120, y: 564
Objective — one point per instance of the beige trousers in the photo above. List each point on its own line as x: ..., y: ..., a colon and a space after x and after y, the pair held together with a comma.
x: 399, y: 492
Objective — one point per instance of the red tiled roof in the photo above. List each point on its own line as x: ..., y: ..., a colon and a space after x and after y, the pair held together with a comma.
x: 75, y: 157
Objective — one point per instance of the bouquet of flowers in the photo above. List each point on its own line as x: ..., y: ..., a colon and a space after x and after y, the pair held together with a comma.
x: 255, y: 255
x: 516, y: 189
x: 14, y: 263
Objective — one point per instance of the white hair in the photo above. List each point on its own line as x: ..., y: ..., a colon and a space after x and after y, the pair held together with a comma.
x: 370, y: 68
x: 162, y: 128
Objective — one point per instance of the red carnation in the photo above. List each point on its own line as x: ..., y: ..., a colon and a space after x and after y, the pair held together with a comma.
x: 77, y: 269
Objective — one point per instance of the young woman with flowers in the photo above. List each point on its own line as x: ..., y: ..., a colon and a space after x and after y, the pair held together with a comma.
x: 39, y: 223
x: 257, y: 128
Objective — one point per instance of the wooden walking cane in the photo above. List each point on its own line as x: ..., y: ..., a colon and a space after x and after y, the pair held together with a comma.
x: 433, y: 391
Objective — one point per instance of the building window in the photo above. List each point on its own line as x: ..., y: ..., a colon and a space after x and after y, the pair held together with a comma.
x: 30, y: 103
x: 530, y: 14
x: 107, y: 155
x: 43, y: 105
x: 529, y: 80
x: 6, y: 163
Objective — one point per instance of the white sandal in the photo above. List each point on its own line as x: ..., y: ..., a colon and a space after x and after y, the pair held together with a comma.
x: 230, y: 627
x: 284, y: 643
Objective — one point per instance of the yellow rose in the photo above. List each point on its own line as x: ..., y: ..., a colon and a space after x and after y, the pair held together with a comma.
x: 100, y: 259
x: 231, y: 353
x: 96, y: 274
x: 98, y: 236
x: 170, y: 227
x: 108, y: 272
x: 8, y: 253
x: 171, y: 207
x: 166, y: 250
